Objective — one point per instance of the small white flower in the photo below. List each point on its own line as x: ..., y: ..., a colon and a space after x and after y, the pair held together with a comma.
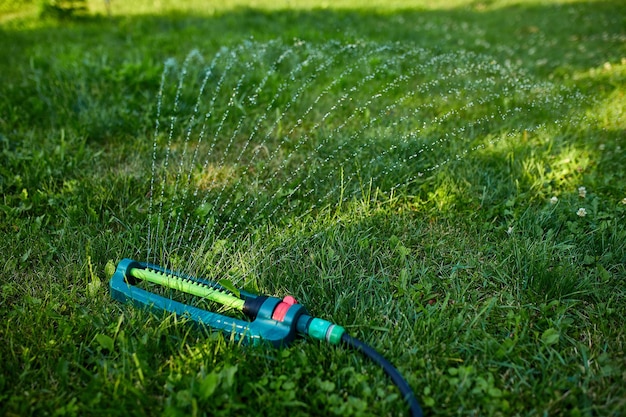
x: 582, y: 192
x: 581, y: 212
x: 554, y: 200
x: 602, y: 146
x: 624, y: 200
x: 509, y: 230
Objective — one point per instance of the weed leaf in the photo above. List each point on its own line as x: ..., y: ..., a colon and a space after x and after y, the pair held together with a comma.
x: 208, y: 385
x: 550, y: 336
x: 105, y: 341
x: 226, y: 283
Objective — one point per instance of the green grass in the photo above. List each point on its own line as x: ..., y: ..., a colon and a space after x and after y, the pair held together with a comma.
x: 489, y: 297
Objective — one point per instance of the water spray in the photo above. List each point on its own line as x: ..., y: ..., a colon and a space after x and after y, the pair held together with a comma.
x: 268, y: 320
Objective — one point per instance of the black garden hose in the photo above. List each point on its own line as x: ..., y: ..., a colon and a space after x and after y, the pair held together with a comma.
x: 390, y: 370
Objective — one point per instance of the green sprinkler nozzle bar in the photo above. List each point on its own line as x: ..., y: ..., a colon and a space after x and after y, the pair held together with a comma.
x: 188, y: 286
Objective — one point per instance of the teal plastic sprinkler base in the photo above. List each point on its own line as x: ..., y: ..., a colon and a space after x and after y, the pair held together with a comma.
x: 271, y: 319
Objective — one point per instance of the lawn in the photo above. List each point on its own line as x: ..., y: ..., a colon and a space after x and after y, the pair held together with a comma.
x: 445, y: 179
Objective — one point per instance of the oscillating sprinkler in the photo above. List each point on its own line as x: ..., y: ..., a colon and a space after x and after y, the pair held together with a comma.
x: 270, y: 319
